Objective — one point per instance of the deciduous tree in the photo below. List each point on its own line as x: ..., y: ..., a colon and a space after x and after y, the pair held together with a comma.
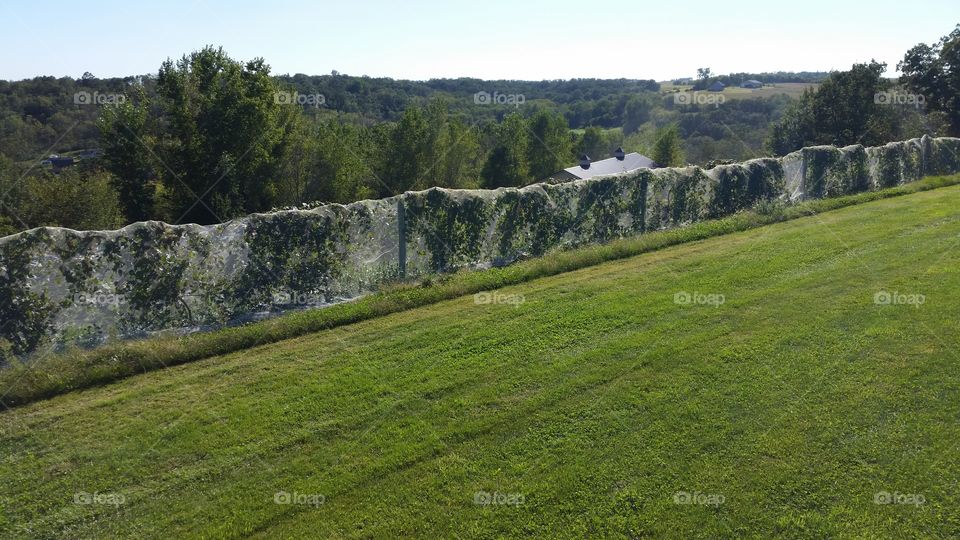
x: 934, y: 72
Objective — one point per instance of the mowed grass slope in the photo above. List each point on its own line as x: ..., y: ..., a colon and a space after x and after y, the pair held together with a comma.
x: 597, y: 400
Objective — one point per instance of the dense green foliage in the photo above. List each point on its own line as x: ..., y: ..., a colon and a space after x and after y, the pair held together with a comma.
x: 206, y: 139
x: 427, y: 147
x: 667, y: 151
x: 75, y: 198
x: 842, y: 111
x: 705, y: 78
x: 734, y: 130
x: 38, y: 115
x: 507, y: 164
x: 598, y: 398
x: 933, y: 71
x: 861, y: 107
x: 127, y: 141
x: 368, y: 138
x: 76, y: 368
x: 163, y: 277
x: 550, y: 146
x: 583, y: 102
x: 223, y: 138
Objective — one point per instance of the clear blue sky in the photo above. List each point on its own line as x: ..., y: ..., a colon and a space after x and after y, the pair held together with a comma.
x: 489, y: 39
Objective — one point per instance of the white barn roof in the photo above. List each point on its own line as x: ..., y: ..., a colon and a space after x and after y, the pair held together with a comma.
x: 604, y: 167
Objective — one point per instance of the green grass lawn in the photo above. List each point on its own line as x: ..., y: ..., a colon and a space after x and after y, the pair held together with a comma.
x: 590, y: 408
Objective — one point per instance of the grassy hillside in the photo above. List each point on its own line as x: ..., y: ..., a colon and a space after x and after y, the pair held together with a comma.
x: 589, y: 401
x: 793, y: 90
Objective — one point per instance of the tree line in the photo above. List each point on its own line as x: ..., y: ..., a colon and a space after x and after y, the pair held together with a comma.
x: 859, y: 106
x: 209, y: 138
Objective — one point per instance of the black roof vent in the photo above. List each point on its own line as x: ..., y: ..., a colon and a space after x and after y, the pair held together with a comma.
x: 584, y: 161
x: 618, y: 153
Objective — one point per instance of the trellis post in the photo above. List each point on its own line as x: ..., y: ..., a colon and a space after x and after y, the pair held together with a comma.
x: 401, y: 238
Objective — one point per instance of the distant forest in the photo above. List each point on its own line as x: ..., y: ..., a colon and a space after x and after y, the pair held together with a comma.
x: 209, y: 138
x: 39, y: 115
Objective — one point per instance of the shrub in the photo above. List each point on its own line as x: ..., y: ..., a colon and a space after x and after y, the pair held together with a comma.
x: 73, y: 199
